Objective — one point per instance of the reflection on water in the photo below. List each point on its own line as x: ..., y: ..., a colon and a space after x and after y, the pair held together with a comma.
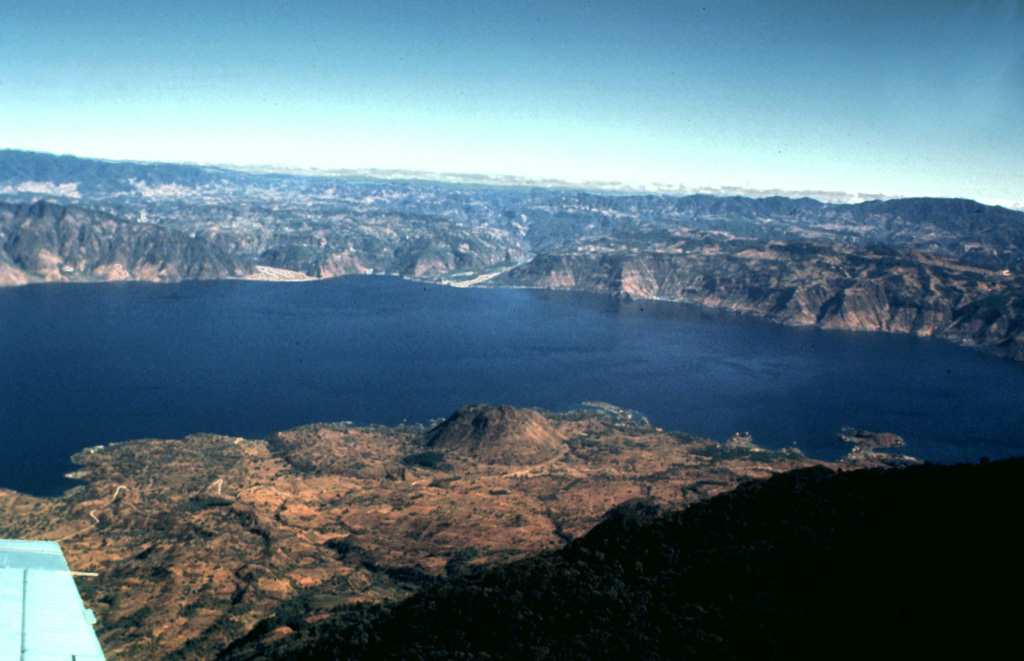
x: 89, y: 364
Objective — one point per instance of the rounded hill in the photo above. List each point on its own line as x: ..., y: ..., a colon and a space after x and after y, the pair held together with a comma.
x: 497, y: 434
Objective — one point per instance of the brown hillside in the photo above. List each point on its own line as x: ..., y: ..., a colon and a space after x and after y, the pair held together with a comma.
x: 196, y: 541
x: 497, y: 435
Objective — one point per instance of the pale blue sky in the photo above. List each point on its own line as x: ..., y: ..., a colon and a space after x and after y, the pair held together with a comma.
x: 917, y: 98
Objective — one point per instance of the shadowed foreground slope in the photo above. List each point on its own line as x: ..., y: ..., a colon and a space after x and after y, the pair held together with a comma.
x: 808, y: 564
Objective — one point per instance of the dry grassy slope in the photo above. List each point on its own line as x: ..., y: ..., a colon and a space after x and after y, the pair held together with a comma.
x: 196, y: 540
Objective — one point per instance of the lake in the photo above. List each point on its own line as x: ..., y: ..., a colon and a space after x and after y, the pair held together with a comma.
x: 89, y: 364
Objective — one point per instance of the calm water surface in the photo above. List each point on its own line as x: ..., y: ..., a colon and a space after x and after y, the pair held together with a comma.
x: 83, y: 365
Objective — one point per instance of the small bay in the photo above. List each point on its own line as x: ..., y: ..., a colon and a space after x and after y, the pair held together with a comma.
x: 89, y: 364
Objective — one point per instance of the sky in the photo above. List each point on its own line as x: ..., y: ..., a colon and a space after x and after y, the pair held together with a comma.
x: 895, y: 98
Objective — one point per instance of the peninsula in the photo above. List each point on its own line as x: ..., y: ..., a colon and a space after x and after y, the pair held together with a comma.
x: 196, y: 541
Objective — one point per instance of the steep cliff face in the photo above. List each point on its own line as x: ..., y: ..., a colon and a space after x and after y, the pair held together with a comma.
x: 11, y: 274
x: 830, y: 286
x: 51, y: 242
x: 928, y: 266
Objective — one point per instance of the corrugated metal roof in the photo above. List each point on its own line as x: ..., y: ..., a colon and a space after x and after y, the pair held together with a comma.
x: 42, y: 617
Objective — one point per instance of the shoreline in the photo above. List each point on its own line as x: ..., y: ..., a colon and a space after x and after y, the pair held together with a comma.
x: 861, y: 453
x: 483, y: 281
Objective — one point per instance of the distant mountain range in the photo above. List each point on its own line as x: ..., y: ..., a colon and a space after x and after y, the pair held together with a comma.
x: 930, y: 266
x: 90, y: 173
x: 93, y: 177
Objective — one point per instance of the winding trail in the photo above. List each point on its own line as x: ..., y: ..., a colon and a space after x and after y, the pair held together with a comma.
x: 95, y: 517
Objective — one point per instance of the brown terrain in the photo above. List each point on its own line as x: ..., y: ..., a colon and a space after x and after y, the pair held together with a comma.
x: 197, y: 540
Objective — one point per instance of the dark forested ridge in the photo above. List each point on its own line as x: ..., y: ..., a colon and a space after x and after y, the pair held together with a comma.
x: 807, y: 564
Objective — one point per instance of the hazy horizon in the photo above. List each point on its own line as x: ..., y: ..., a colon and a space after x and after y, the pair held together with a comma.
x: 918, y: 99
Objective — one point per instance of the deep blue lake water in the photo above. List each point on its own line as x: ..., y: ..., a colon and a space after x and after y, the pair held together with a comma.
x: 88, y: 364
